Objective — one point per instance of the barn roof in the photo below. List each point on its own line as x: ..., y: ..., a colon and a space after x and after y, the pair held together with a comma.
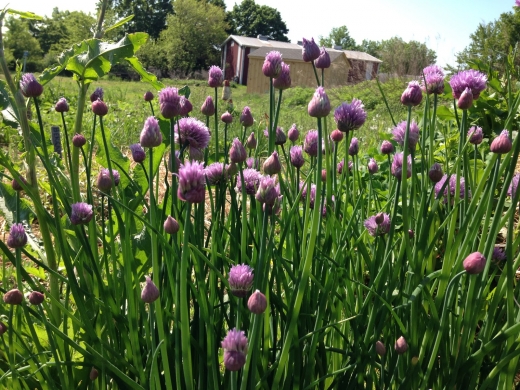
x: 292, y: 51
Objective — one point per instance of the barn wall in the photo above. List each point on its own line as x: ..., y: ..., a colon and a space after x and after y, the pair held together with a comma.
x: 302, y: 75
x: 231, y: 60
x: 357, y: 72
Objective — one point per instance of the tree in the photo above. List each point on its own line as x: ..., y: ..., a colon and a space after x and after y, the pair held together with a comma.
x: 149, y: 15
x: 193, y: 36
x: 404, y: 58
x: 370, y: 47
x: 19, y: 39
x: 490, y: 42
x: 250, y: 19
x: 339, y: 36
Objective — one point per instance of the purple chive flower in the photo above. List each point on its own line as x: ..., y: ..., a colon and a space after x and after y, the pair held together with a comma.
x: 235, y: 350
x: 323, y: 61
x: 186, y: 106
x: 435, y: 173
x: 99, y: 108
x: 434, y: 80
x: 17, y: 236
x: 372, y: 166
x: 215, y: 173
x: 498, y: 254
x: 237, y: 152
x: 251, y: 180
x: 96, y: 95
x: 475, y: 135
x: 312, y: 195
x: 215, y: 77
x: 13, y: 297
x: 293, y: 134
x: 310, y: 144
x: 387, y: 147
x: 272, y: 165
x: 501, y: 144
x: 257, y: 302
x: 517, y: 3
x: 399, y: 133
x: 341, y: 164
x: 451, y: 187
x: 466, y: 99
x: 412, y: 95
x: 148, y: 96
x: 192, y: 182
x: 193, y: 133
x: 79, y: 140
x: 252, y: 162
x: 240, y: 280
x: 267, y: 191
x: 472, y: 79
x: 16, y: 183
x: 353, y: 149
x: 81, y: 213
x: 283, y: 80
x: 208, y: 107
x: 227, y: 118
x: 378, y: 225
x: 336, y: 136
x: 61, y: 105
x: 280, y: 137
x: 350, y: 116
x: 246, y: 118
x: 138, y: 153
x: 104, y: 181
x: 397, y: 166
x: 36, y: 298
x: 150, y: 292
x: 251, y: 141
x: 272, y: 64
x: 401, y: 346
x: 319, y: 106
x: 310, y: 51
x: 169, y: 102
x: 474, y: 263
x: 171, y: 226
x: 29, y: 86
x: 151, y: 134
x: 513, y: 186
x: 296, y: 154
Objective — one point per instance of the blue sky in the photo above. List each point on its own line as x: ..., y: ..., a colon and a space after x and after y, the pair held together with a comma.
x: 443, y: 25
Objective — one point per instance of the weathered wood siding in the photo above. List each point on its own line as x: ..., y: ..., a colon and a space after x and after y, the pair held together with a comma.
x: 302, y: 74
x: 231, y: 60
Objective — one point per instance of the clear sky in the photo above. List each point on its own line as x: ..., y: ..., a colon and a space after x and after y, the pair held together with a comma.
x: 443, y: 25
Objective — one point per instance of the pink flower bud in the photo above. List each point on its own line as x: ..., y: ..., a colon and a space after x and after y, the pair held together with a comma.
x: 401, y: 346
x: 474, y: 263
x: 257, y: 303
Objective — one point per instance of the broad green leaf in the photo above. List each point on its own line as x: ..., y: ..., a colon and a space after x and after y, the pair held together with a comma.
x: 145, y: 76
x: 119, y: 23
x: 24, y: 14
x: 138, y: 174
x: 4, y: 96
x: 445, y: 113
x: 8, y: 204
x: 185, y: 91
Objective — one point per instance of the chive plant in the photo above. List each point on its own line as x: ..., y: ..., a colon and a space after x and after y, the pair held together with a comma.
x: 386, y: 274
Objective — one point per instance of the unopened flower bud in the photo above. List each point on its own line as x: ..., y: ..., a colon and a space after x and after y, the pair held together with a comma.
x: 227, y: 118
x: 257, y: 303
x: 336, y: 136
x: 251, y: 141
x: 474, y: 263
x: 3, y: 328
x: 148, y: 96
x: 93, y: 374
x: 401, y: 346
x: 150, y: 291
x: 79, y: 140
x: 272, y: 165
x: 435, y: 173
x: 237, y: 152
x: 100, y: 108
x: 501, y: 144
x: 171, y: 226
x: 13, y: 297
x: 380, y: 348
x: 466, y: 99
x: 36, y: 298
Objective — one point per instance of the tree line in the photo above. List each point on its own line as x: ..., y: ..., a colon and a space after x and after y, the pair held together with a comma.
x: 185, y: 35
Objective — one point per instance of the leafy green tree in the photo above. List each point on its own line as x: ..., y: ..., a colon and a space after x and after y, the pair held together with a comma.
x: 193, y: 37
x: 250, y: 19
x: 404, y: 58
x: 19, y: 39
x: 370, y: 47
x: 339, y: 36
x: 149, y: 15
x: 491, y: 41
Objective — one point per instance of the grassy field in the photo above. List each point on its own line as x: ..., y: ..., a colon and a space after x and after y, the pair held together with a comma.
x: 127, y: 109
